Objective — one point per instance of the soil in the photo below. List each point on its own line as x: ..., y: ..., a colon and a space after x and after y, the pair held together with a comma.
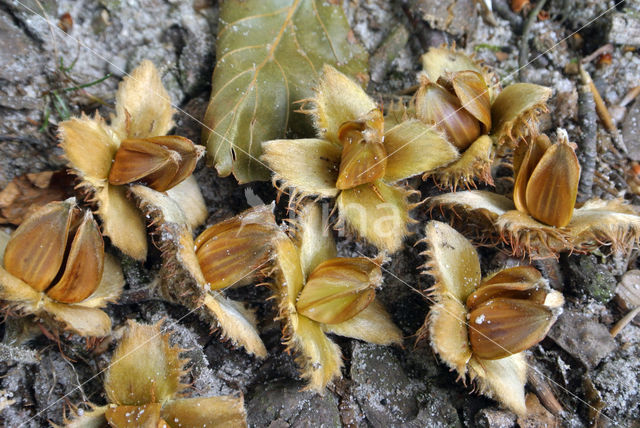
x: 594, y: 377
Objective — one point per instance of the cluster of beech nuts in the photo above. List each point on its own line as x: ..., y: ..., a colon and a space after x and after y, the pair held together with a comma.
x: 138, y: 183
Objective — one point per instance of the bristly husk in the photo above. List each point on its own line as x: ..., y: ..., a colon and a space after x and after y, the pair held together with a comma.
x: 526, y: 236
x: 307, y: 166
x: 515, y: 111
x: 443, y: 61
x: 89, y: 146
x: 338, y: 99
x: 474, y: 164
x: 614, y: 223
x: 473, y: 212
x: 377, y: 212
x: 312, y: 246
x: 144, y: 367
x: 319, y: 359
x: 143, y: 105
x: 144, y: 383
x: 454, y: 264
x: 414, y: 148
x: 83, y: 317
x: 502, y: 380
x: 181, y: 277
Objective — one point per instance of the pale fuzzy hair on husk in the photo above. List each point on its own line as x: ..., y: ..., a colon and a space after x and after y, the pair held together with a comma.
x: 459, y: 61
x: 502, y: 379
x: 511, y: 126
x: 612, y: 223
x: 317, y: 376
x: 474, y: 163
x: 144, y: 357
x: 181, y: 278
x: 393, y: 241
x: 472, y: 212
x: 454, y: 264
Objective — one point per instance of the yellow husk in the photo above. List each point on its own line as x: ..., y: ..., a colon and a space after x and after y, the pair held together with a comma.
x: 381, y: 222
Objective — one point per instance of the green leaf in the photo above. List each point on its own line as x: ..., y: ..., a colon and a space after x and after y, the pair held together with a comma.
x: 270, y: 54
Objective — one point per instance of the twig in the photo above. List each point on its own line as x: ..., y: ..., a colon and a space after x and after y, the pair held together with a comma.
x: 608, y: 48
x: 523, y: 58
x: 588, y: 141
x: 603, y: 112
x: 601, y: 107
x: 624, y: 321
x: 631, y: 95
x: 542, y: 389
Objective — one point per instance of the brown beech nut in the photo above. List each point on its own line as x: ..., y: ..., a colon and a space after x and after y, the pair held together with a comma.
x: 364, y: 157
x: 236, y: 251
x: 58, y: 250
x: 159, y: 162
x: 54, y: 267
x: 480, y: 327
x: 339, y: 289
x: 546, y: 179
x: 437, y: 106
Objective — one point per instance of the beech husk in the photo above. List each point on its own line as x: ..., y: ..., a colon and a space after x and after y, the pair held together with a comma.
x: 480, y: 328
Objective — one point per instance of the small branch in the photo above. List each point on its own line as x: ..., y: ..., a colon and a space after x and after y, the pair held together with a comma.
x: 631, y: 95
x: 603, y: 112
x: 624, y: 321
x: 608, y: 48
x: 523, y: 58
x: 588, y: 141
x: 542, y: 389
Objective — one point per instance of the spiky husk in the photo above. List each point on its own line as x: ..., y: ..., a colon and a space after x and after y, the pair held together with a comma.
x: 181, y: 279
x: 474, y: 164
x: 454, y: 264
x: 441, y: 60
x: 83, y: 318
x: 516, y: 110
x: 472, y: 212
x: 503, y: 380
x: 395, y: 197
x: 309, y: 167
x: 611, y: 223
x: 319, y: 358
x: 526, y: 236
x: 145, y: 368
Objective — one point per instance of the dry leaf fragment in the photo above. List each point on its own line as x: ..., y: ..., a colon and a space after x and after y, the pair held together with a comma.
x: 28, y: 192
